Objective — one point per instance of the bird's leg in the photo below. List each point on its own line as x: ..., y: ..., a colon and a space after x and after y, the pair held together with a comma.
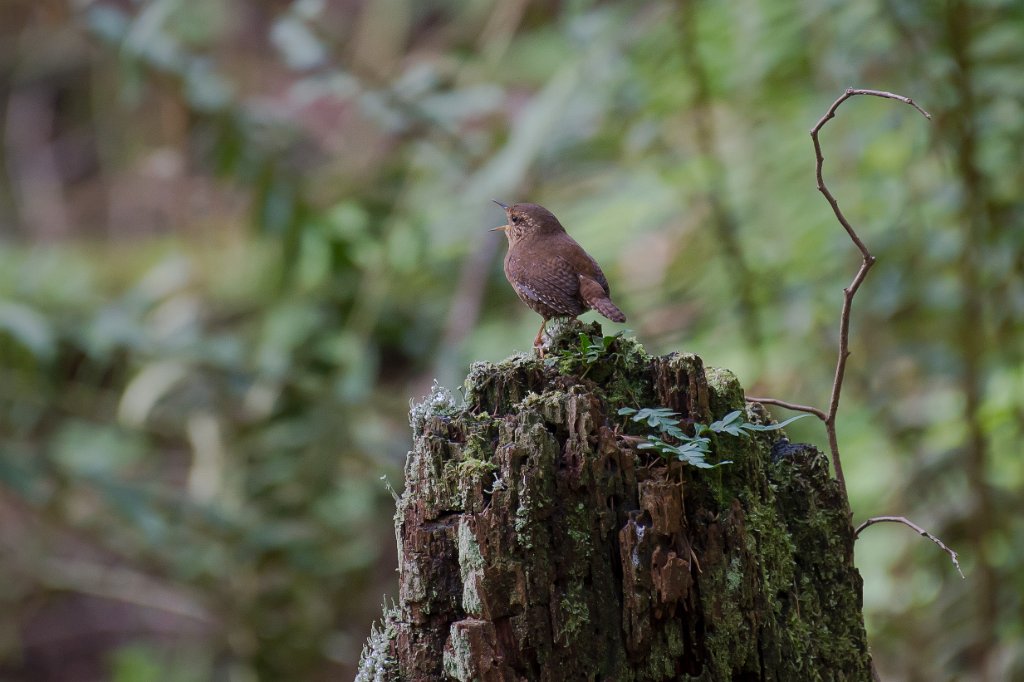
x: 537, y: 342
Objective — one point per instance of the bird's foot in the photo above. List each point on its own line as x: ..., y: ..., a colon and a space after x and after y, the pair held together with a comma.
x: 539, y: 345
x: 538, y: 342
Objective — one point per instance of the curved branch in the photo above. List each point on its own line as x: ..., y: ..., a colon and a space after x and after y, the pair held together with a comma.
x: 849, y: 292
x: 867, y: 262
x: 920, y: 531
x: 829, y: 115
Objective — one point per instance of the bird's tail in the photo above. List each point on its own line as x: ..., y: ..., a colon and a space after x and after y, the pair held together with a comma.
x: 597, y: 298
x: 608, y: 309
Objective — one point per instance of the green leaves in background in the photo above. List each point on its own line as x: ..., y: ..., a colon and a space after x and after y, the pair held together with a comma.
x: 266, y: 252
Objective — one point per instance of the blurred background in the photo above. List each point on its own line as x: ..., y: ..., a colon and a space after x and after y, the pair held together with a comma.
x: 237, y: 238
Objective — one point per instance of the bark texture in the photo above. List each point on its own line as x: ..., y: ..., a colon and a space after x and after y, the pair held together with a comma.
x: 537, y: 543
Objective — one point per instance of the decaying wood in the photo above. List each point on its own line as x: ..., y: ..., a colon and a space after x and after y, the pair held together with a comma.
x: 537, y: 543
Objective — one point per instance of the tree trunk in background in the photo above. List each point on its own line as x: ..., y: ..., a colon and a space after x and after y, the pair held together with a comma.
x: 536, y: 543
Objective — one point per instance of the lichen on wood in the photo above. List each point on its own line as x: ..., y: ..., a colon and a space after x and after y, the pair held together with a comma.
x: 538, y: 543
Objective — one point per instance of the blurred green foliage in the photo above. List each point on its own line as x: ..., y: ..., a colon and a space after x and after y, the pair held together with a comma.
x: 238, y: 238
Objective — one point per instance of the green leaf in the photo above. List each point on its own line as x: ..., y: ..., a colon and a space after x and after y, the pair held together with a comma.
x: 730, y: 420
x: 29, y: 328
x: 773, y: 427
x: 673, y: 431
x: 690, y: 449
x: 655, y: 416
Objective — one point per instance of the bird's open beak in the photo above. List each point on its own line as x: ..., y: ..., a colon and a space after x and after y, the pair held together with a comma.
x: 501, y: 227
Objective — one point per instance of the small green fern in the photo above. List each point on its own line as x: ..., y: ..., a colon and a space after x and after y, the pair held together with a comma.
x: 671, y: 442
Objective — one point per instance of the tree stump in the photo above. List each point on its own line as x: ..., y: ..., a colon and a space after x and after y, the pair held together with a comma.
x: 536, y: 542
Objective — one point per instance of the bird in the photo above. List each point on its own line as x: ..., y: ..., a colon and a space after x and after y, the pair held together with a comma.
x: 549, y: 271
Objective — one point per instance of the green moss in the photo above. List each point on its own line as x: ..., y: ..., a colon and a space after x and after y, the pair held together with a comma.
x: 494, y: 388
x: 457, y: 656
x: 439, y: 402
x: 475, y: 468
x: 523, y: 526
x: 630, y: 384
x: 550, y: 405
x: 534, y: 501
x: 471, y: 565
x: 573, y: 614
x: 734, y: 575
x: 579, y: 533
x: 661, y: 662
x: 616, y: 367
x: 479, y: 439
x: 725, y: 391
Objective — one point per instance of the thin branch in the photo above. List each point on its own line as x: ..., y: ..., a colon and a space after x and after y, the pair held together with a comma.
x: 849, y: 292
x: 790, y: 406
x: 867, y: 262
x: 920, y: 531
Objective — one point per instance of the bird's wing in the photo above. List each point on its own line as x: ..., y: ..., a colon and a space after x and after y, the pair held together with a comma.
x: 598, y: 276
x: 593, y: 286
x: 597, y: 298
x: 547, y: 279
x: 588, y: 267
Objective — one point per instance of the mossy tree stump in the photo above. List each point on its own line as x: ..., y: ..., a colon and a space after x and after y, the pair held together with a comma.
x: 538, y: 543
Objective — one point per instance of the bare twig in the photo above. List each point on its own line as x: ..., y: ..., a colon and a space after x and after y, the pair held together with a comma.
x: 848, y: 293
x: 920, y: 531
x: 790, y: 406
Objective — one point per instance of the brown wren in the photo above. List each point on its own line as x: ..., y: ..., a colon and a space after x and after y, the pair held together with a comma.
x: 549, y: 271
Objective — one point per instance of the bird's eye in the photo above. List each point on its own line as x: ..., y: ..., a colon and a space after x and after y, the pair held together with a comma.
x: 514, y: 218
